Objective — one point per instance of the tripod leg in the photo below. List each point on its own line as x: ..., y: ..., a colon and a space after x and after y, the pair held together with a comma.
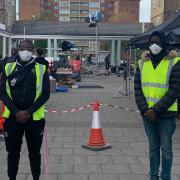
x: 118, y: 91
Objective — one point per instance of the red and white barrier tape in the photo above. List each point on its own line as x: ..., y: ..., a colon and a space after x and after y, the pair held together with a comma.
x: 114, y: 106
x: 87, y: 106
x: 67, y: 111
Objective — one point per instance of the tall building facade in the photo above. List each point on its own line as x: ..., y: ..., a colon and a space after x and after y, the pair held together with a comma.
x: 162, y: 9
x: 7, y: 12
x: 58, y: 10
x: 77, y: 10
x: 120, y: 11
x: 51, y: 9
x: 28, y: 9
x: 107, y: 8
x: 125, y: 11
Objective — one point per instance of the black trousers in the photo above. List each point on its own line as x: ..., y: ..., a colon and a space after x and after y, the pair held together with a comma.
x: 14, y: 133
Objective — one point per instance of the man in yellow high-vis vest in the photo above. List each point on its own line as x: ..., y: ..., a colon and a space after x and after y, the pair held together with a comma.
x: 25, y: 89
x: 157, y: 85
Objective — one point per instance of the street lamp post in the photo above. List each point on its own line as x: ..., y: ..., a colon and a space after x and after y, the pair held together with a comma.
x: 24, y: 30
x: 97, y: 46
x: 94, y: 19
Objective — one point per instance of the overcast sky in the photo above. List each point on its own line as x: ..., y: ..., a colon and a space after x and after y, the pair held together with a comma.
x: 145, y: 10
x: 145, y: 6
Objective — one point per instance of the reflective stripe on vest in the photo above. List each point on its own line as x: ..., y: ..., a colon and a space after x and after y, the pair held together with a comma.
x: 40, y: 69
x: 155, y: 82
x: 8, y: 70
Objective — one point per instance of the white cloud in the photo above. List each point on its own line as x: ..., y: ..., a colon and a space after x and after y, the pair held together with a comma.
x: 145, y: 10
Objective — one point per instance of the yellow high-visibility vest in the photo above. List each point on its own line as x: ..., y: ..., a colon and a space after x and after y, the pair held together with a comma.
x: 40, y: 70
x: 155, y: 82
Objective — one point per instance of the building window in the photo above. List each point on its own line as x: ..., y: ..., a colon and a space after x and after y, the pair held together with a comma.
x: 49, y: 3
x: 74, y: 19
x: 74, y: 4
x: 48, y: 11
x: 56, y: 0
x: 64, y: 3
x: 56, y: 7
x: 82, y: 19
x: 66, y: 11
x: 92, y: 12
x: 64, y: 18
x: 92, y: 48
x: 159, y: 3
x: 84, y: 12
x: 84, y: 3
x: 102, y: 8
x: 74, y: 12
x: 92, y: 42
x: 94, y: 4
x: 56, y: 15
x: 109, y: 12
x: 109, y: 5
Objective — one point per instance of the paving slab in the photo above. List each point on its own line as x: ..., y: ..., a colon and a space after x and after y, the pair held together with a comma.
x: 66, y: 132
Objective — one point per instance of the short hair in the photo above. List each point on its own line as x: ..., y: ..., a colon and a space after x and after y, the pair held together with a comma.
x: 28, y: 41
x: 15, y: 49
x: 40, y: 51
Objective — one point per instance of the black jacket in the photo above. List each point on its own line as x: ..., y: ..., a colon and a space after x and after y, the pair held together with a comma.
x: 23, y: 92
x: 42, y: 60
x: 167, y: 100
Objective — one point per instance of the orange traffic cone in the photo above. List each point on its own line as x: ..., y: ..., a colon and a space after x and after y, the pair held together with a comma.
x: 96, y: 140
x: 2, y: 122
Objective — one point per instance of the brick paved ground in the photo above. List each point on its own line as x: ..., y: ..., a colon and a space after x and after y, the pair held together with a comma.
x: 127, y: 160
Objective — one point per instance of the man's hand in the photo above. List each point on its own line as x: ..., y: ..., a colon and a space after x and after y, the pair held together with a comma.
x: 151, y: 115
x: 22, y: 116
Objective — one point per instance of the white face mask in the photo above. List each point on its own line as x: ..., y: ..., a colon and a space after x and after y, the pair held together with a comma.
x: 155, y: 49
x: 25, y: 55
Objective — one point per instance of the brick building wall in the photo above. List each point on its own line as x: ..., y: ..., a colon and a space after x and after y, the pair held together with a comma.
x: 125, y: 11
x: 29, y: 9
x: 53, y: 9
x: 161, y: 10
x: 107, y: 8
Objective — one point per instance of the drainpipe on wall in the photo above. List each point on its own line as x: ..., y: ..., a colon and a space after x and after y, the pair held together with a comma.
x: 143, y: 27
